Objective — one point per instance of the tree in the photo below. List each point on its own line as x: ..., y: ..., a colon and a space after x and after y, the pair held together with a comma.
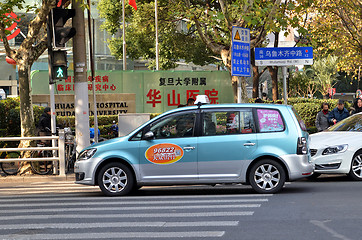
x: 335, y: 28
x: 326, y: 73
x: 320, y: 77
x: 303, y: 84
x: 209, y: 26
x: 28, y: 52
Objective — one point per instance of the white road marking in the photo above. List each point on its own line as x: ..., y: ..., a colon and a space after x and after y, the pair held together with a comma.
x: 117, y: 235
x: 86, y: 203
x: 117, y: 224
x: 129, y: 215
x: 77, y: 209
x: 322, y: 225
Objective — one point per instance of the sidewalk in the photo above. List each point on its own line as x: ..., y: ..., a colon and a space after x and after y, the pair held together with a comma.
x: 37, y: 178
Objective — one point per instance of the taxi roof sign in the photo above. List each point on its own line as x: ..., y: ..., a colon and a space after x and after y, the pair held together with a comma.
x: 202, y: 99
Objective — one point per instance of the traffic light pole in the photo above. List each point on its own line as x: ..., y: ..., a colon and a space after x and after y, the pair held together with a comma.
x: 51, y: 87
x: 80, y: 79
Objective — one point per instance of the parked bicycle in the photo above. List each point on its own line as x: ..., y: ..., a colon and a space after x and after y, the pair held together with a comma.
x: 42, y: 167
x: 10, y: 168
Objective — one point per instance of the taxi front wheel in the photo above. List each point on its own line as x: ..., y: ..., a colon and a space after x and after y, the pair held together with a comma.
x: 267, y: 176
x: 115, y: 179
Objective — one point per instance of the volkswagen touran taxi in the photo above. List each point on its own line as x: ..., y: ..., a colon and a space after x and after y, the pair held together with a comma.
x: 262, y: 145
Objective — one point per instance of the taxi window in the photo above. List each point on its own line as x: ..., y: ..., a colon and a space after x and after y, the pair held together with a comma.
x: 228, y: 122
x: 270, y: 120
x: 175, y: 126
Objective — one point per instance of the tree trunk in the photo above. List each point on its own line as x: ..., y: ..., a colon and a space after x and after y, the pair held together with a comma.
x: 256, y: 76
x: 26, y: 111
x: 26, y: 107
x: 244, y: 94
x: 274, y: 76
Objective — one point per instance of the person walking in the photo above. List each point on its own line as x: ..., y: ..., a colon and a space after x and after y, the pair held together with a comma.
x: 321, y: 121
x: 357, y: 106
x: 339, y: 113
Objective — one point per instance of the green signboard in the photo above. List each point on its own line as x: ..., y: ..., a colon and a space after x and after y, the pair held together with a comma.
x: 156, y: 91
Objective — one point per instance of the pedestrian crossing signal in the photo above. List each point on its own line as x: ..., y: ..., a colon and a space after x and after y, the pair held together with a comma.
x: 60, y: 72
x: 59, y: 65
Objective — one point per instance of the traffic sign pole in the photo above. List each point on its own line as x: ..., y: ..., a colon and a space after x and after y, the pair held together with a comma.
x: 285, y: 93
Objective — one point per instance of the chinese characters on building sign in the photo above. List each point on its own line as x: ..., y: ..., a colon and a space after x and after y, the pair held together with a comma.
x: 183, y: 82
x: 155, y: 97
x: 101, y: 84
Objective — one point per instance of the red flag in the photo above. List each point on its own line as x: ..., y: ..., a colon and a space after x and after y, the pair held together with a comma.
x: 133, y: 4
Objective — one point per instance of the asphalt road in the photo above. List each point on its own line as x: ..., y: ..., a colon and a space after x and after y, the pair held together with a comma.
x: 328, y: 208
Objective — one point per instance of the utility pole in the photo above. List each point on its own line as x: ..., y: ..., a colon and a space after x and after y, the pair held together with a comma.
x: 82, y: 133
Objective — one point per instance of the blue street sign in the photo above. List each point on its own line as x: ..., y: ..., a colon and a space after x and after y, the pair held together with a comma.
x: 240, y: 52
x: 283, y: 56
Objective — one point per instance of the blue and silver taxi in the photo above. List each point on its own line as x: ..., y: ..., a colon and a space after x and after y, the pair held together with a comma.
x: 262, y: 145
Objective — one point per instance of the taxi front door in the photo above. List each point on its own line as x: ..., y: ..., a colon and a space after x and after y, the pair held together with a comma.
x: 171, y: 156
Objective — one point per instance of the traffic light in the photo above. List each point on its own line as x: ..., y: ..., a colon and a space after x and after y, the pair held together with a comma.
x: 59, y: 65
x: 61, y: 34
x: 58, y: 35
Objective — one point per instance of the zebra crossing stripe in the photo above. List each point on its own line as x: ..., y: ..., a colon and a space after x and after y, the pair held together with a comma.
x: 129, y: 215
x: 117, y: 235
x: 117, y: 224
x: 77, y: 209
x: 82, y: 203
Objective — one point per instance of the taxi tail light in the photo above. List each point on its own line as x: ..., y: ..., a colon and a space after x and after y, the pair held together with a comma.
x: 302, y: 146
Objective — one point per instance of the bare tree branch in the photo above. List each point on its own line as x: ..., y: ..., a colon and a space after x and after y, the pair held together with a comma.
x: 35, y: 25
x: 224, y: 10
x: 39, y: 49
x: 9, y: 52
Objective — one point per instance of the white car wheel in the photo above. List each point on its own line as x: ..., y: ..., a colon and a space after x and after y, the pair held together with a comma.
x: 356, y: 167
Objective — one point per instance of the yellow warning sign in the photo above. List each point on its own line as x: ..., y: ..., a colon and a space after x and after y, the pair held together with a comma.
x: 237, y: 36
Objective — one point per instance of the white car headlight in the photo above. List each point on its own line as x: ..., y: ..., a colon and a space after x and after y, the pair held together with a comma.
x: 335, y: 149
x: 87, y: 154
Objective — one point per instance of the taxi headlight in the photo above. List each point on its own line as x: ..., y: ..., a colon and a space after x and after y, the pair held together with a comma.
x: 87, y: 154
x: 335, y: 149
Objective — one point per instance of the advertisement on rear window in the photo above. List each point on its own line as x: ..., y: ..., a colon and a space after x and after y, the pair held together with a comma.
x: 270, y: 120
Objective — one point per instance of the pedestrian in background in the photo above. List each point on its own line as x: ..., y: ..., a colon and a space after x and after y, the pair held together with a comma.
x: 357, y: 106
x: 258, y: 100
x: 44, y: 124
x: 339, y: 113
x: 190, y: 102
x: 321, y: 121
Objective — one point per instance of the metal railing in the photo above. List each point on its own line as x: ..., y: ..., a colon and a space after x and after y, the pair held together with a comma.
x: 58, y: 151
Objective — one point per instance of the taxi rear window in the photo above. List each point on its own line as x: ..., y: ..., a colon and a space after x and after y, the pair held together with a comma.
x: 270, y: 120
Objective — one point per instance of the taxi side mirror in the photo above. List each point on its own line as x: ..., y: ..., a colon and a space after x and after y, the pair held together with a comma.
x: 149, y: 135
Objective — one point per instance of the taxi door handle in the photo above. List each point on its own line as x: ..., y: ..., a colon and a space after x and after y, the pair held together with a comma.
x: 189, y: 148
x: 249, y: 144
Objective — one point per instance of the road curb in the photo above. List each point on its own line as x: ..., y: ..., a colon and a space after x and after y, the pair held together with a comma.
x: 37, y: 178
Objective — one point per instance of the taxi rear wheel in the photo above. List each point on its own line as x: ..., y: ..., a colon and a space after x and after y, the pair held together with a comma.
x: 267, y: 176
x: 115, y: 179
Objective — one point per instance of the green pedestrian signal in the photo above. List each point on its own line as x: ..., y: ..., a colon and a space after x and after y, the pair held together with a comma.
x: 60, y: 72
x: 59, y: 65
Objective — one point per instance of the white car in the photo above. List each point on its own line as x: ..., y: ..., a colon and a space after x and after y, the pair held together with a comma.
x: 339, y: 148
